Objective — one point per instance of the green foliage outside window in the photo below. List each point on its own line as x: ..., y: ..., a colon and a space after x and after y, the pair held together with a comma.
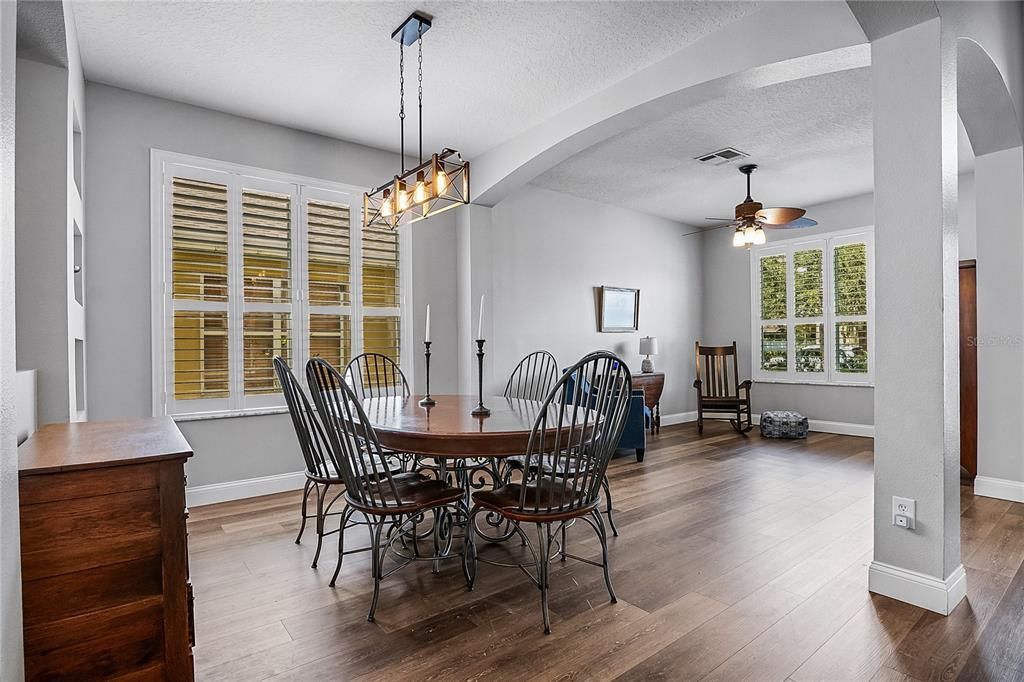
x: 809, y: 294
x: 850, y: 265
x: 773, y: 287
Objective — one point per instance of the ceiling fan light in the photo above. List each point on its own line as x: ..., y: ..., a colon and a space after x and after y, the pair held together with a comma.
x: 759, y: 236
x: 738, y: 239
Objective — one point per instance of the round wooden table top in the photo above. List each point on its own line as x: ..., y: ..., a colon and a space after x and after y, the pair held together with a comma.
x: 449, y: 430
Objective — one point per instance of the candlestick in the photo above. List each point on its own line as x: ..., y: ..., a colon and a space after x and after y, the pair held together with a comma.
x: 480, y: 410
x: 480, y: 320
x: 427, y: 401
x: 426, y: 337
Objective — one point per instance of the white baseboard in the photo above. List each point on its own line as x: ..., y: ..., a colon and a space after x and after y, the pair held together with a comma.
x: 842, y: 428
x: 678, y: 418
x: 940, y: 596
x: 1001, y: 488
x: 197, y: 496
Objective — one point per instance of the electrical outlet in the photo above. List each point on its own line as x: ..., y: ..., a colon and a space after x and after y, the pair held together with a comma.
x: 904, y: 512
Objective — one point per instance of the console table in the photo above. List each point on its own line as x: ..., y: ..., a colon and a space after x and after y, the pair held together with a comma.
x: 103, y: 551
x: 653, y: 384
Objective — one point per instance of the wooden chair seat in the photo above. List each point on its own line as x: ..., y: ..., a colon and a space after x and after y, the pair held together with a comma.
x: 544, y: 493
x: 416, y: 493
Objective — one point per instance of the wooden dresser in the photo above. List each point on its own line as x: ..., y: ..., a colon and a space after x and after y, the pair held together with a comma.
x: 653, y: 384
x: 103, y: 552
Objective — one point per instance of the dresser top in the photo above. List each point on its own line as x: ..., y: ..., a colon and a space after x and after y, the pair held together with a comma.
x: 92, y: 445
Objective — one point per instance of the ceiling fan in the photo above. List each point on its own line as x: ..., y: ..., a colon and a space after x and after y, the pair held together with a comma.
x: 752, y: 217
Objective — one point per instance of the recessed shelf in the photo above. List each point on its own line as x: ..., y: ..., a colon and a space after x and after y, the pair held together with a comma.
x: 76, y: 133
x: 79, y: 275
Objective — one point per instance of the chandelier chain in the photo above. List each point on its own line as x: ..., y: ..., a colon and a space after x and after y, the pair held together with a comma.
x: 419, y: 32
x: 401, y: 99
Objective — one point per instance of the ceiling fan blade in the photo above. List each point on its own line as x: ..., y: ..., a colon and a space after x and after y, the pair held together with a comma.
x: 793, y: 224
x: 780, y: 216
x: 727, y: 220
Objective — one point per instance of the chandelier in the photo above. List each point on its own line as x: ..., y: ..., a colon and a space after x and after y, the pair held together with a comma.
x: 436, y: 184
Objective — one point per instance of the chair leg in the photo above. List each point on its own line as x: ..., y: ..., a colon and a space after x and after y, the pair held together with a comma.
x: 320, y: 496
x: 602, y: 535
x: 305, y: 500
x: 469, y: 551
x: 700, y: 422
x: 377, y: 564
x: 437, y: 539
x: 543, y: 563
x: 608, y: 500
x: 346, y: 514
x: 561, y: 548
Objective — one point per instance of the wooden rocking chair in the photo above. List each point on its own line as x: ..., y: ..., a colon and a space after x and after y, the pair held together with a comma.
x: 719, y: 388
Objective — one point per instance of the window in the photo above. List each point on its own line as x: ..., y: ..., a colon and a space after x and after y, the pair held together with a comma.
x: 250, y: 264
x: 812, y: 308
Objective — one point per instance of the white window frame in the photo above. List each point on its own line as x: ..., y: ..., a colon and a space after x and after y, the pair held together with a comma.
x: 788, y: 247
x: 164, y: 165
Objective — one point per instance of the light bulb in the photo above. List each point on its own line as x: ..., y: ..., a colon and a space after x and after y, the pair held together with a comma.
x: 441, y: 181
x: 387, y: 207
x: 419, y: 194
x: 403, y: 197
x: 737, y: 238
x: 759, y: 236
x: 748, y: 234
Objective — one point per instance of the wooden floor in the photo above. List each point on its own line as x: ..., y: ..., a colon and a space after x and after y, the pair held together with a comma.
x: 738, y: 558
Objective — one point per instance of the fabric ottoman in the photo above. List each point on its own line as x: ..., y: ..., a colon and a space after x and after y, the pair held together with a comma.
x: 782, y: 424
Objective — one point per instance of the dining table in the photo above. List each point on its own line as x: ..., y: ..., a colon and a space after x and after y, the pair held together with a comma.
x: 452, y: 443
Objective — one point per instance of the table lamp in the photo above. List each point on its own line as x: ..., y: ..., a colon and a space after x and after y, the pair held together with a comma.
x: 648, y: 347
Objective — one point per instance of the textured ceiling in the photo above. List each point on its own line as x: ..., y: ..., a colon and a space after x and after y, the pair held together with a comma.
x: 811, y: 138
x: 492, y: 69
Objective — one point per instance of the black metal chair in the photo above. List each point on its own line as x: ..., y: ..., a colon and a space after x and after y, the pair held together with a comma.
x: 575, y: 434
x: 322, y: 471
x: 373, y: 375
x: 387, y: 500
x: 533, y: 377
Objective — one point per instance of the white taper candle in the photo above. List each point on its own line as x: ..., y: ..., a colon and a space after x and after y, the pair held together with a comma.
x: 480, y: 322
x: 427, y: 337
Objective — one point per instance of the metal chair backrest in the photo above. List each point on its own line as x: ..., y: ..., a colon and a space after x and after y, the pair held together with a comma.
x: 373, y: 375
x: 533, y: 377
x: 368, y: 478
x: 718, y: 371
x: 576, y: 434
x: 313, y: 441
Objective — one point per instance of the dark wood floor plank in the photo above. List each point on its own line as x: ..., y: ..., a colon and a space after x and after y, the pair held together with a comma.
x: 719, y: 569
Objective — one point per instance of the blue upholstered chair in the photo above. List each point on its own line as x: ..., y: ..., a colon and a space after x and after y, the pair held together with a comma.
x: 634, y: 437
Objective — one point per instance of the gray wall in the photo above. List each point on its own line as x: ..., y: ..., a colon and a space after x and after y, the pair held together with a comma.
x: 42, y: 234
x: 726, y: 283
x: 123, y: 127
x: 549, y: 252
x: 11, y: 644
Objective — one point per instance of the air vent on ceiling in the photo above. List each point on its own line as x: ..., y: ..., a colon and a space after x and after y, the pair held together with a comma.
x: 721, y: 156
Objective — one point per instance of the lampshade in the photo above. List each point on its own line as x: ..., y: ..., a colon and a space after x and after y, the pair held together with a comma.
x: 648, y: 345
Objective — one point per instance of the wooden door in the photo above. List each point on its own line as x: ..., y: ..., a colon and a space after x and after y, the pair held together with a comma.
x: 968, y: 368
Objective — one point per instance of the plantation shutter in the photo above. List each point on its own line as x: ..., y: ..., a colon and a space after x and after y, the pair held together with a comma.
x: 809, y: 309
x: 774, y: 311
x: 267, y: 286
x: 851, y: 281
x: 199, y: 235
x: 329, y: 266
x: 381, y: 292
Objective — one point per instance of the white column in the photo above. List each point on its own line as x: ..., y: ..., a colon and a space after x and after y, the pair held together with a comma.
x: 999, y: 182
x: 473, y: 238
x: 917, y: 420
x: 11, y: 642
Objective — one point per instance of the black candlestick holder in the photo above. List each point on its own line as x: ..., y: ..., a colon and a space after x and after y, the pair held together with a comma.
x: 427, y: 401
x: 480, y: 410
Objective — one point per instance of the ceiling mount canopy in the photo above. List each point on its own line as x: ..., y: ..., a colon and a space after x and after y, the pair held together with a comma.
x: 434, y: 185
